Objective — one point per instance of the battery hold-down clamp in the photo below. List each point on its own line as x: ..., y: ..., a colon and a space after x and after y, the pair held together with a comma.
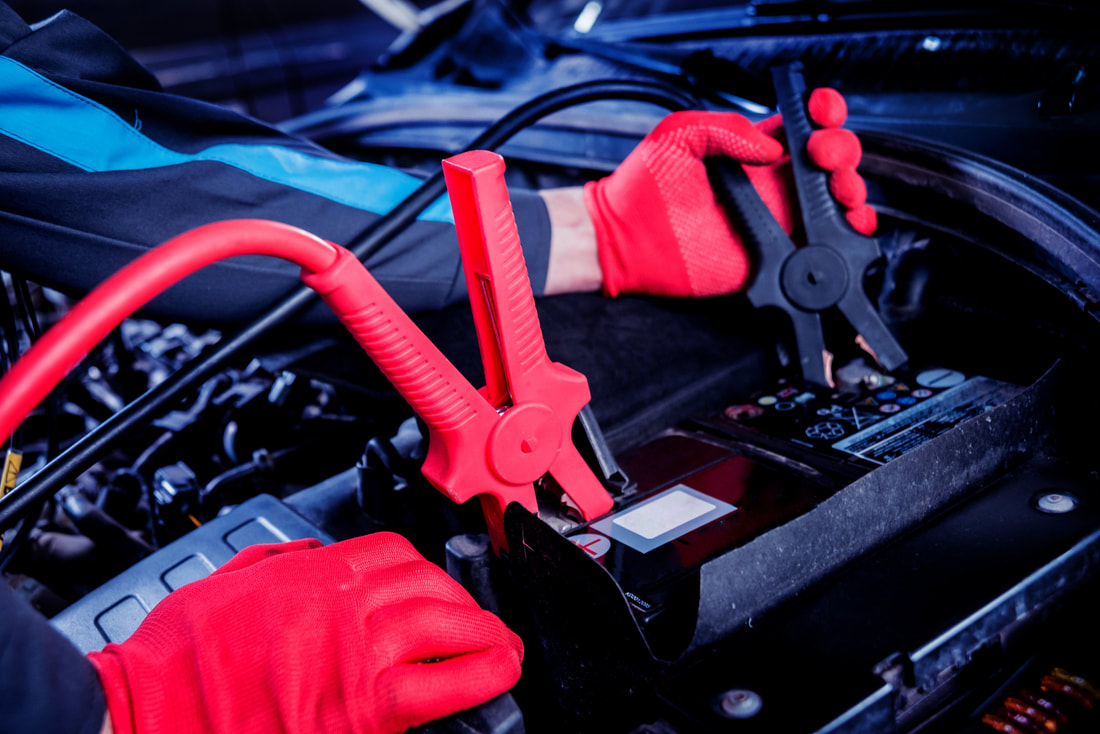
x: 498, y: 441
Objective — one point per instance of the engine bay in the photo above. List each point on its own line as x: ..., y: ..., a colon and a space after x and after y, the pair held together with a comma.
x: 905, y: 549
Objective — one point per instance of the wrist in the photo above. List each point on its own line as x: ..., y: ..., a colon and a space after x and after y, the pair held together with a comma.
x: 610, y: 266
x: 118, y: 719
x: 574, y: 265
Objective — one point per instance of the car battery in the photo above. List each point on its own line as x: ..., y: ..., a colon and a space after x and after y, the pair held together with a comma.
x: 756, y: 466
x: 653, y: 545
x: 735, y: 513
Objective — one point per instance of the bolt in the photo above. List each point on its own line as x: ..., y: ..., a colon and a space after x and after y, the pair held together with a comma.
x: 931, y: 43
x: 740, y: 703
x: 1055, y: 503
x: 528, y: 445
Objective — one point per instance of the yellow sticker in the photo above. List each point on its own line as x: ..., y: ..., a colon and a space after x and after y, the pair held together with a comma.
x: 13, y: 462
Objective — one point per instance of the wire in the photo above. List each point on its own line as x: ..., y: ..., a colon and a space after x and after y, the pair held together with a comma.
x: 85, y: 452
x: 22, y: 533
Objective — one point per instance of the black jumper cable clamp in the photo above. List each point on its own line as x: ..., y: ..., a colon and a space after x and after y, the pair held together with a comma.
x: 828, y: 271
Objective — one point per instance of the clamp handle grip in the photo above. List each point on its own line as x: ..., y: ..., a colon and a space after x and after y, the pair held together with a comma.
x: 539, y: 399
x: 507, y: 323
x: 767, y: 244
x: 455, y: 413
x: 823, y: 222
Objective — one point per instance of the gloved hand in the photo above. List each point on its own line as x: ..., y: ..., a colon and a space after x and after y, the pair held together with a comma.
x: 659, y: 228
x: 363, y: 635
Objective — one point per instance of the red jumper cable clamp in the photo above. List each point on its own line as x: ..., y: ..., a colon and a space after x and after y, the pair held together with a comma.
x: 498, y: 441
x: 537, y: 400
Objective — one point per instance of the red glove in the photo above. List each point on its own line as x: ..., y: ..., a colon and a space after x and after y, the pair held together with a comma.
x: 362, y: 636
x: 659, y: 228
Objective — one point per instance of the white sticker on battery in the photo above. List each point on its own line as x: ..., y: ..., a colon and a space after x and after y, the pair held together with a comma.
x: 666, y: 513
x: 663, y: 518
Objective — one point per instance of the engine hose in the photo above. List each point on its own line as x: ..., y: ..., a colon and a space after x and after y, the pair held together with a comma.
x: 86, y: 451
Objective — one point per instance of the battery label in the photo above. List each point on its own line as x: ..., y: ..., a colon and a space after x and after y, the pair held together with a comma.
x: 663, y: 518
x: 904, y: 431
x: 666, y: 513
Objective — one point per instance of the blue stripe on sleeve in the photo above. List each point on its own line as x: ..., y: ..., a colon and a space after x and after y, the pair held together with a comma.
x: 84, y: 133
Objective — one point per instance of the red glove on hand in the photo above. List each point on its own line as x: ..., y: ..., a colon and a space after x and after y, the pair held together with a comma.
x: 362, y: 636
x: 659, y: 228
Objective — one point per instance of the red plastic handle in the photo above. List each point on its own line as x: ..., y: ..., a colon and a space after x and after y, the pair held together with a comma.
x: 507, y: 323
x: 540, y: 399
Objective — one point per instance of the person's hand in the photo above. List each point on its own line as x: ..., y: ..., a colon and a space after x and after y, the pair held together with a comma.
x: 363, y: 635
x: 659, y: 228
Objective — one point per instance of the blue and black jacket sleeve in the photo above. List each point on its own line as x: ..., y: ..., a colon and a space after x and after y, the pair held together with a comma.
x: 98, y: 164
x: 49, y: 687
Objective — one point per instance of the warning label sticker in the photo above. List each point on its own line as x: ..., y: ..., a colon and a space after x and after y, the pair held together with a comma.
x: 903, y: 431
